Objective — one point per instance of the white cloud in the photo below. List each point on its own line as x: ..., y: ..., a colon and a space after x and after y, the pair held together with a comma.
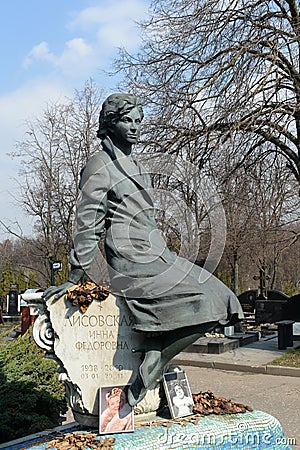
x: 77, y: 57
x: 114, y: 22
x: 29, y: 100
x: 39, y: 52
x: 104, y: 28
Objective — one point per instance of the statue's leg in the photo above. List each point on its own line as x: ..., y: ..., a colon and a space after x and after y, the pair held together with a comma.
x: 152, y: 348
x: 172, y: 343
x: 159, y: 350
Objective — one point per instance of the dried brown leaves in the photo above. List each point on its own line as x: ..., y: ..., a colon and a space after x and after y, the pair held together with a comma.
x: 82, y: 295
x: 207, y: 403
x: 169, y: 422
x: 75, y: 441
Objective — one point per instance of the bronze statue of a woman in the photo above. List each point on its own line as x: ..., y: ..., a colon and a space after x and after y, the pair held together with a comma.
x: 162, y: 290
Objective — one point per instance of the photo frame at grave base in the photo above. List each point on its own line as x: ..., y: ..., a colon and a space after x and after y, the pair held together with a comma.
x: 178, y: 393
x: 92, y: 349
x: 115, y: 414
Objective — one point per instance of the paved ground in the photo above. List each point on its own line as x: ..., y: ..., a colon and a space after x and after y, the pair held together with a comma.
x: 273, y: 394
x: 253, y: 357
x: 244, y: 376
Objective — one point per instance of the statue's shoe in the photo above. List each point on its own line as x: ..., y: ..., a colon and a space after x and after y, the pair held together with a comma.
x: 150, y: 368
x: 136, y: 392
x: 150, y: 373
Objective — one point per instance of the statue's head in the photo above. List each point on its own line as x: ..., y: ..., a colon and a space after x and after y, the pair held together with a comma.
x: 113, y: 108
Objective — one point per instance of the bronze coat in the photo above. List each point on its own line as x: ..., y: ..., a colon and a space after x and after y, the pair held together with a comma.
x: 162, y: 290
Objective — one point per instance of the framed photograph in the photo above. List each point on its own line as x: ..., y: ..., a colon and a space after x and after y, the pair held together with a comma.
x: 115, y: 414
x: 178, y: 394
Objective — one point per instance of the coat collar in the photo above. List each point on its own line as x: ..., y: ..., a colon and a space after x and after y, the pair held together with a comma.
x: 125, y: 164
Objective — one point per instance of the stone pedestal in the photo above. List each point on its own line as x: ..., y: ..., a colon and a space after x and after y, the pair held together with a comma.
x: 92, y: 349
x: 252, y: 430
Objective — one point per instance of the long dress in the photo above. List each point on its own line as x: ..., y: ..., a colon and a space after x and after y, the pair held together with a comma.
x: 163, y: 291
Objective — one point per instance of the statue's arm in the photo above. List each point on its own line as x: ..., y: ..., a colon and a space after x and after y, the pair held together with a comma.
x: 90, y: 216
x: 89, y: 223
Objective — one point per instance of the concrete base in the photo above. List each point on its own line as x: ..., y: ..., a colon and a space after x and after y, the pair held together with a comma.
x: 245, y: 338
x: 221, y: 345
x: 212, y: 345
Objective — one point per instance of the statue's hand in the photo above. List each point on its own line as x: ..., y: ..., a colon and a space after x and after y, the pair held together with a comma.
x: 57, y: 291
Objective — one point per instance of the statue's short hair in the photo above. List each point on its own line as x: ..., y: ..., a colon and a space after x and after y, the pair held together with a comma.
x: 113, y: 108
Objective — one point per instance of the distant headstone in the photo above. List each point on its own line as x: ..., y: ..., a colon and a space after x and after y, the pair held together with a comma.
x: 12, y: 307
x: 292, y: 310
x: 269, y: 311
x: 247, y: 300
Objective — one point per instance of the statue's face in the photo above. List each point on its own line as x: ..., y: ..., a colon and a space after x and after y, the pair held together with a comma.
x: 126, y: 131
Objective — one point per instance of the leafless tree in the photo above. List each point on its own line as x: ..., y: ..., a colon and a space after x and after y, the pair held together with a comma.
x: 51, y: 156
x: 213, y: 71
x: 274, y: 229
x: 261, y: 205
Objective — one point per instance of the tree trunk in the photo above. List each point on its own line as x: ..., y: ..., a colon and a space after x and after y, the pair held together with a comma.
x: 235, y: 281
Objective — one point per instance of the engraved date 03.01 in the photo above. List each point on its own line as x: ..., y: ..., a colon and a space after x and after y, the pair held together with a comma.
x: 89, y: 371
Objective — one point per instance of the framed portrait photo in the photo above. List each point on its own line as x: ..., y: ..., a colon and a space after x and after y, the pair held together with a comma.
x: 115, y: 413
x: 178, y: 394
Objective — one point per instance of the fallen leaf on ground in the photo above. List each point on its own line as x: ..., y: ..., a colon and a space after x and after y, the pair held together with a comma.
x: 81, y: 441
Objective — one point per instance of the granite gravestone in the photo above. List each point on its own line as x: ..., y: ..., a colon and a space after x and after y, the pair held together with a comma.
x: 13, y: 300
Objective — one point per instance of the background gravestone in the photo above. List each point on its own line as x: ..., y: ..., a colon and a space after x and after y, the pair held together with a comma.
x: 13, y: 300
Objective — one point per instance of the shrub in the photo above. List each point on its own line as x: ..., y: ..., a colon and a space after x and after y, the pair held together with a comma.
x: 31, y: 397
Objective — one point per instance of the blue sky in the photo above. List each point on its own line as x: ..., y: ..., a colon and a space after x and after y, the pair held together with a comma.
x: 50, y: 48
